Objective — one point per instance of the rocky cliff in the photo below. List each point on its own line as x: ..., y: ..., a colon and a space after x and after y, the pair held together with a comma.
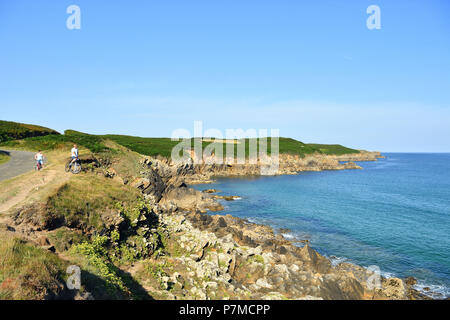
x: 248, y: 260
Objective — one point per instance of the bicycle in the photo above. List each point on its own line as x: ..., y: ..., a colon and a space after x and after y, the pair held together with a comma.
x: 38, y: 166
x: 74, y: 167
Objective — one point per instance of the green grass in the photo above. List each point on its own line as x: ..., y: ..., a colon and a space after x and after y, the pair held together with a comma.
x: 63, y: 238
x: 146, y: 146
x: 163, y: 146
x: 31, y: 273
x: 336, y: 149
x: 28, y: 272
x: 52, y: 142
x: 4, y: 157
x: 13, y: 130
x: 81, y: 202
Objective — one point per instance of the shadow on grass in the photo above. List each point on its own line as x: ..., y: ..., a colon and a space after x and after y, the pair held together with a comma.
x: 4, y: 156
x: 102, y: 290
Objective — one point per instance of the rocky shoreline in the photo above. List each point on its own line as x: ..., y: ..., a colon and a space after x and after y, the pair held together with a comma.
x: 275, y: 268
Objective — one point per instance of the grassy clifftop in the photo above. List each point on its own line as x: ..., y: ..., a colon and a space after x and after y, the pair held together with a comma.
x: 14, y: 130
x: 163, y: 146
x: 59, y: 141
x: 35, y: 137
x: 336, y: 149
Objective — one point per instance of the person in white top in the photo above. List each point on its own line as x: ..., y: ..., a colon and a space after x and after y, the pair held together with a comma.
x: 39, y: 157
x: 74, y: 153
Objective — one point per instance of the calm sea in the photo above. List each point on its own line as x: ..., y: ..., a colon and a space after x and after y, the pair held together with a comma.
x: 395, y: 213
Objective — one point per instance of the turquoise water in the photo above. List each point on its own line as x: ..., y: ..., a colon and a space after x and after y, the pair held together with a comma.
x: 395, y: 213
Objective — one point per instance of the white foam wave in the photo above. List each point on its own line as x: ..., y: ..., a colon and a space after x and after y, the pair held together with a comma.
x: 337, y: 260
x: 288, y: 236
x: 432, y: 291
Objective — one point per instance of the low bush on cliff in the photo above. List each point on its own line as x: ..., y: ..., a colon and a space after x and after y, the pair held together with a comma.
x: 94, y: 257
x: 130, y: 240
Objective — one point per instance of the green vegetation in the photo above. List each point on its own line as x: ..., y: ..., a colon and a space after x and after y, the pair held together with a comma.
x: 84, y: 201
x: 103, y: 225
x: 257, y: 258
x: 4, y: 157
x: 98, y: 261
x: 92, y: 142
x: 52, y: 142
x: 63, y: 238
x: 129, y: 242
x: 28, y: 272
x: 146, y: 146
x: 154, y: 146
x: 13, y: 130
x: 336, y: 149
x: 100, y: 274
x: 163, y: 146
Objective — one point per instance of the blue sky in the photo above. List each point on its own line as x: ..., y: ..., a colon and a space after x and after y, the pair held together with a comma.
x: 311, y: 69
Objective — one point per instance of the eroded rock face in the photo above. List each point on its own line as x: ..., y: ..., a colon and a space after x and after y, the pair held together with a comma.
x: 152, y: 185
x: 316, y: 261
x: 189, y: 172
x: 35, y: 217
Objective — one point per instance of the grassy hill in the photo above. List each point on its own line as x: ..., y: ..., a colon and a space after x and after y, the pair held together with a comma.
x: 336, y: 149
x: 163, y: 146
x: 59, y: 141
x: 35, y: 137
x: 14, y: 130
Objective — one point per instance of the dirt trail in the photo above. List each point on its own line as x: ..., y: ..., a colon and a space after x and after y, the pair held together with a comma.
x: 31, y: 186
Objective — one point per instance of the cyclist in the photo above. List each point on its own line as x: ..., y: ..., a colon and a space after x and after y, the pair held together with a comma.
x: 74, y: 153
x: 39, y: 157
